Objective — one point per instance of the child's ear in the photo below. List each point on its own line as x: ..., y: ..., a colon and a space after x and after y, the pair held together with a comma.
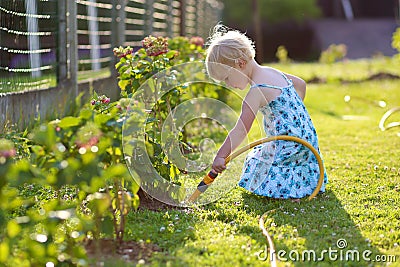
x: 242, y: 63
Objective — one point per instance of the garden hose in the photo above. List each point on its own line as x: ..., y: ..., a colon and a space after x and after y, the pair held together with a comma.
x: 385, y: 117
x: 210, y: 177
x: 272, y: 253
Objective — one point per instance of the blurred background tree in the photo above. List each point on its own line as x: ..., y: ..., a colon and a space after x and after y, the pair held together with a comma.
x: 271, y: 23
x: 239, y: 12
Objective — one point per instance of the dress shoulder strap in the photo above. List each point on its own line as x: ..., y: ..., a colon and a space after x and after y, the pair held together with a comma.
x: 289, y: 83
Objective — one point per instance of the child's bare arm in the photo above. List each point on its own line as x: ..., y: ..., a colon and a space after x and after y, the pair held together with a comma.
x: 238, y: 133
x: 299, y: 84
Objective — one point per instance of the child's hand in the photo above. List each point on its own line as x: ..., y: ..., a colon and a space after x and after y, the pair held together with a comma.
x: 219, y: 165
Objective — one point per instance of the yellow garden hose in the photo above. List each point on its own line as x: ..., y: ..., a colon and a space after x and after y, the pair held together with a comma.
x: 271, y: 246
x: 210, y: 177
x: 385, y: 116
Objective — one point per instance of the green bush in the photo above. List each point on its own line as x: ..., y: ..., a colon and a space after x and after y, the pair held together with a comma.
x: 333, y: 53
x: 136, y: 68
x: 83, y: 152
x: 282, y: 54
x: 65, y: 181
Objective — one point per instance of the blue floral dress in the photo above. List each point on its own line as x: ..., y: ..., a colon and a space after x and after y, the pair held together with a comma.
x: 283, y: 169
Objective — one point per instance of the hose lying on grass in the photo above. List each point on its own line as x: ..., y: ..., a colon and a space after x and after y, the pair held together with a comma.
x: 210, y: 177
x: 385, y: 116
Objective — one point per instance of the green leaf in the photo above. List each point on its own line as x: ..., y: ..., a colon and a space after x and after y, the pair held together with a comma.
x: 99, y: 203
x: 170, y: 54
x: 152, y: 84
x: 4, y: 251
x: 123, y: 84
x: 107, y: 225
x: 126, y: 70
x: 134, y: 187
x: 118, y: 65
x: 126, y: 75
x: 20, y: 173
x: 150, y: 149
x: 69, y: 122
x: 85, y: 114
x: 97, y: 183
x: 13, y: 229
x: 135, y: 201
x: 117, y: 170
x: 36, y: 249
x: 45, y: 135
x: 38, y: 150
x: 102, y: 118
x: 117, y: 151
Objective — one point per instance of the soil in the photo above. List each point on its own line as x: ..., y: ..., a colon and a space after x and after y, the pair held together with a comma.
x: 383, y: 76
x: 147, y: 202
x: 129, y: 251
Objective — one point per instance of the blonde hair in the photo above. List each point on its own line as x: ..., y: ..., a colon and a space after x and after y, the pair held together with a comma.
x: 227, y: 46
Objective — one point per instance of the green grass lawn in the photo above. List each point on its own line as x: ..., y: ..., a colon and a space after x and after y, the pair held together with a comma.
x: 361, y: 204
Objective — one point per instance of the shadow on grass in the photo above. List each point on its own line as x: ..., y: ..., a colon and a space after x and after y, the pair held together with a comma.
x: 313, y: 233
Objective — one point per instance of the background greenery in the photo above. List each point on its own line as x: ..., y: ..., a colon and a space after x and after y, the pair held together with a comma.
x: 237, y: 12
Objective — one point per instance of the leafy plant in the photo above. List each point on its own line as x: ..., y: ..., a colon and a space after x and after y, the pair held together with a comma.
x: 333, y: 53
x: 282, y: 54
x: 83, y: 152
x: 65, y: 182
x: 136, y: 68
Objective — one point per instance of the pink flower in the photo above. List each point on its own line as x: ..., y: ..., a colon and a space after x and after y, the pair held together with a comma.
x: 103, y: 99
x: 88, y: 135
x: 7, y: 149
x: 197, y: 40
x: 122, y: 52
x: 8, y: 153
x: 91, y: 142
x: 155, y: 46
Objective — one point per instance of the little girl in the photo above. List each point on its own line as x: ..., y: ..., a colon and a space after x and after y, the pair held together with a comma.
x: 282, y: 169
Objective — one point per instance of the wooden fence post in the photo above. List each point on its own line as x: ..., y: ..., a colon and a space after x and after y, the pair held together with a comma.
x: 149, y: 19
x: 182, y: 9
x: 170, y: 19
x: 62, y: 69
x: 72, y: 43
x: 117, y: 28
